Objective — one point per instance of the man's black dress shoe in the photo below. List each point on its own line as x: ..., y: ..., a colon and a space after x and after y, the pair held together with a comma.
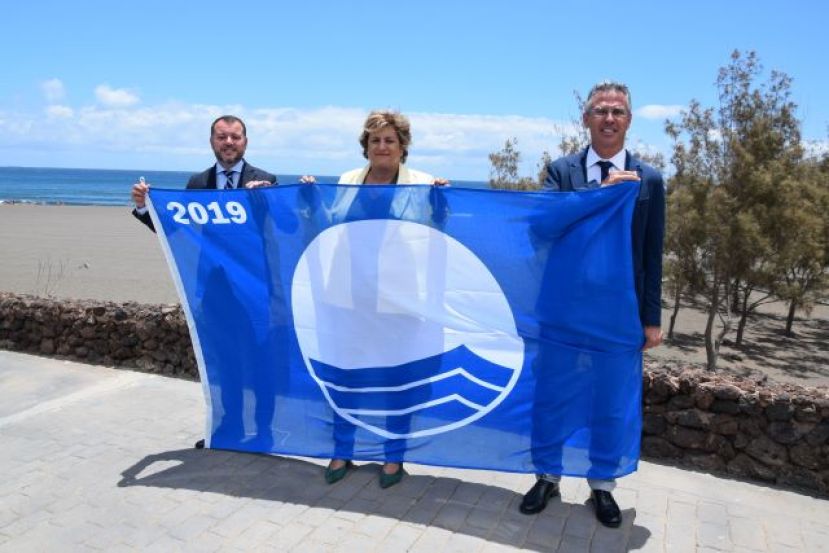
x: 607, y: 511
x: 536, y: 499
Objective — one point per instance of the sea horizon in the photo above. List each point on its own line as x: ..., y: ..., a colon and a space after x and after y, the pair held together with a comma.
x: 108, y: 187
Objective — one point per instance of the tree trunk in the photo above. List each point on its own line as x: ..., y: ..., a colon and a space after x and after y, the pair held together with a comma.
x: 712, y: 349
x: 743, y: 318
x: 735, y: 301
x: 790, y: 318
x: 674, y: 314
x: 726, y: 327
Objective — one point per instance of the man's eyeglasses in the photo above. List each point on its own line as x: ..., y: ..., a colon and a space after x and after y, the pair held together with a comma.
x: 602, y: 112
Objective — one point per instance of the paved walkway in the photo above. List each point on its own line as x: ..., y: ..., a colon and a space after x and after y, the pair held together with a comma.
x: 97, y: 459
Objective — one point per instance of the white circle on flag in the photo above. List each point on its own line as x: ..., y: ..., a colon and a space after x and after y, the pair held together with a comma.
x: 378, y: 294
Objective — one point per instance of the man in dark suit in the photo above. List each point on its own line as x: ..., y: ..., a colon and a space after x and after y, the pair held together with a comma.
x: 228, y: 139
x: 607, y: 115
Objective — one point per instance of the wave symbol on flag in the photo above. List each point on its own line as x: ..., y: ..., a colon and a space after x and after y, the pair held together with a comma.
x: 435, y: 384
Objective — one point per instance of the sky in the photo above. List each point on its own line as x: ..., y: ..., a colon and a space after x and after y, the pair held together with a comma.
x: 135, y: 85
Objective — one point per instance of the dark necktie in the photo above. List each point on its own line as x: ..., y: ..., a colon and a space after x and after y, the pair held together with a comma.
x: 229, y: 182
x: 605, y: 167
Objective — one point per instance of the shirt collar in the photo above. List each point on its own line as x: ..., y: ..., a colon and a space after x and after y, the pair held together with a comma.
x: 617, y: 160
x: 236, y: 168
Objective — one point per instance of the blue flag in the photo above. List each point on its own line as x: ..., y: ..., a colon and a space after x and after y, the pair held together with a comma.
x: 455, y: 327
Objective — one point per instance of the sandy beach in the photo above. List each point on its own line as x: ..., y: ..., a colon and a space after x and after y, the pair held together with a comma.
x: 104, y: 253
x: 81, y: 252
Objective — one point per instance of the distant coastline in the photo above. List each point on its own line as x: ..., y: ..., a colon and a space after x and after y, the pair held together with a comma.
x: 111, y: 187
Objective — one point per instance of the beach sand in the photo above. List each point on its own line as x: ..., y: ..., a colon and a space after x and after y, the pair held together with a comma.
x: 104, y: 253
x: 81, y: 252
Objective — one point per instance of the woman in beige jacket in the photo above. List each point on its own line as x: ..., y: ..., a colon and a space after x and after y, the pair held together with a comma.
x: 385, y: 140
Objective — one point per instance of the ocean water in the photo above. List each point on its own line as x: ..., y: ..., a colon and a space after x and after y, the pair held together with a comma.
x: 42, y: 185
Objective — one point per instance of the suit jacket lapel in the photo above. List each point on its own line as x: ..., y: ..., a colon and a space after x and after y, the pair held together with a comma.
x: 578, y: 171
x: 633, y: 164
x: 211, y: 177
x: 243, y: 177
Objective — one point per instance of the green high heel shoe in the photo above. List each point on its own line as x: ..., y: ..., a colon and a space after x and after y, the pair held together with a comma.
x: 332, y: 476
x: 389, y: 480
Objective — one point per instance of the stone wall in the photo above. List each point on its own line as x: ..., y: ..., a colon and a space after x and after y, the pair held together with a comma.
x: 743, y: 427
x: 152, y: 338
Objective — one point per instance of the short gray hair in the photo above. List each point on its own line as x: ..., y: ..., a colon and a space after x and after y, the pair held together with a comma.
x: 608, y: 86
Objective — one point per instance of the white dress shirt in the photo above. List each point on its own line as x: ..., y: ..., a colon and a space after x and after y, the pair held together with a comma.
x: 594, y: 172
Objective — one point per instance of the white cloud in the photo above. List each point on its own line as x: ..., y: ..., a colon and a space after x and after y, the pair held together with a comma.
x: 816, y: 148
x: 60, y: 112
x: 322, y: 141
x: 658, y: 111
x: 115, y: 97
x: 53, y: 90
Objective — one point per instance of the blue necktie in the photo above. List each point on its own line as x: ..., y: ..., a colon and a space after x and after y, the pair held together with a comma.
x: 229, y: 182
x: 605, y: 167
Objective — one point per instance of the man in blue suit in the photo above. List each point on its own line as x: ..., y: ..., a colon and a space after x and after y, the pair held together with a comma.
x: 228, y: 139
x: 607, y: 115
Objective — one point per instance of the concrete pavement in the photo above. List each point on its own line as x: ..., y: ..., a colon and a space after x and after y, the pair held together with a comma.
x: 99, y: 459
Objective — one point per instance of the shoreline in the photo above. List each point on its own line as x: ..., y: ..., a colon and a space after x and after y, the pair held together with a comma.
x: 69, y: 204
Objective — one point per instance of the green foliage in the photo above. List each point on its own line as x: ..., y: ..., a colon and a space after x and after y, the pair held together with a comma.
x: 504, y: 171
x: 576, y: 137
x: 801, y: 241
x: 740, y: 194
x: 546, y: 159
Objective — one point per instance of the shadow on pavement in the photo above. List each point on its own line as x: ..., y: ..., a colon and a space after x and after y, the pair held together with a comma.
x: 484, y: 511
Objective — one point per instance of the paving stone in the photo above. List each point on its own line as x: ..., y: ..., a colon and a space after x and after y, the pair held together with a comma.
x: 332, y: 531
x: 784, y: 531
x: 681, y: 510
x: 512, y: 529
x: 206, y: 542
x: 400, y: 538
x: 650, y: 546
x: 480, y: 517
x: 492, y: 547
x: 714, y: 513
x: 780, y: 548
x: 546, y: 531
x: 655, y: 524
x: 287, y: 537
x: 608, y: 542
x: 680, y: 537
x: 815, y: 542
x: 747, y: 533
x: 462, y: 543
x: 374, y: 526
x: 451, y: 516
x: 574, y: 544
x: 581, y: 523
x: 432, y: 539
x: 714, y: 536
x: 468, y: 494
x: 652, y: 502
x: 356, y: 542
